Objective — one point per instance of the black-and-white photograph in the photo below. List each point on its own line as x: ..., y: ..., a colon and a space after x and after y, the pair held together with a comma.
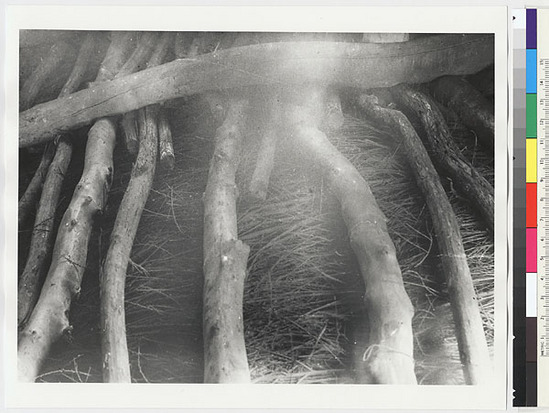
x: 257, y: 207
x: 260, y: 207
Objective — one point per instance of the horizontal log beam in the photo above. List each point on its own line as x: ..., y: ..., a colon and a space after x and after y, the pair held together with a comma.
x: 342, y: 64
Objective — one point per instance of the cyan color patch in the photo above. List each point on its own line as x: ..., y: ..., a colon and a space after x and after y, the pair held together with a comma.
x: 531, y: 70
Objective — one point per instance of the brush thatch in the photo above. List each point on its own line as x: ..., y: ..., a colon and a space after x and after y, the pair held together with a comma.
x: 302, y: 295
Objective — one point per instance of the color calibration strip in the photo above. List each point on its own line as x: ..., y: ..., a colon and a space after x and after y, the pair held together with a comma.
x: 531, y: 207
x: 520, y: 398
x: 542, y: 281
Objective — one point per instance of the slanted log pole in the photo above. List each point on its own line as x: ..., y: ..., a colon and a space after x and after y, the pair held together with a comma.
x: 34, y: 189
x: 116, y: 365
x: 43, y: 233
x: 472, y: 344
x: 267, y: 148
x: 128, y: 124
x: 473, y: 109
x: 225, y: 258
x: 49, y: 320
x: 361, y: 65
x: 43, y: 71
x: 388, y: 354
x: 445, y: 153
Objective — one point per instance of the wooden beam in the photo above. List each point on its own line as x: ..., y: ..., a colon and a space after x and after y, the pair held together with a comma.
x: 360, y: 65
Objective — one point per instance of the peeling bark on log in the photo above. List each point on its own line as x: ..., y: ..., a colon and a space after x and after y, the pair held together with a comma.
x: 472, y: 108
x: 469, y: 329
x: 49, y: 319
x: 45, y: 69
x: 116, y: 364
x: 388, y: 356
x: 446, y: 155
x: 32, y: 193
x: 362, y: 65
x: 167, y: 157
x: 225, y: 259
x: 116, y: 367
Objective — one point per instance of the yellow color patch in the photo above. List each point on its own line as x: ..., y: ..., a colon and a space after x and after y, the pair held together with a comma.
x: 531, y: 160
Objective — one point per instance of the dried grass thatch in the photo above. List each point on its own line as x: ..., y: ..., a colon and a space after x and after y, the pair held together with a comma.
x: 303, y: 293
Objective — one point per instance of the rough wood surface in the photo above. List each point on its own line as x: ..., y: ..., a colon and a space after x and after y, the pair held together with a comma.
x: 43, y: 233
x: 114, y: 347
x: 362, y: 65
x: 468, y: 321
x: 473, y: 109
x: 388, y: 353
x: 225, y: 259
x: 31, y: 195
x: 446, y: 155
x: 49, y: 320
x: 116, y: 367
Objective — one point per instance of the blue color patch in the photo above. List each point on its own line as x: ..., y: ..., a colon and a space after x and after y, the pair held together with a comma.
x: 531, y: 71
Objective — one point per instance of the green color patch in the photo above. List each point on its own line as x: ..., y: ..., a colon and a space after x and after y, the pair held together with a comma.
x: 531, y: 115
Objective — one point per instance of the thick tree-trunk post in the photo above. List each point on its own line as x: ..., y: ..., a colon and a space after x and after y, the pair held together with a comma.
x: 267, y: 149
x: 388, y: 355
x: 43, y: 232
x: 49, y: 319
x: 45, y: 69
x: 116, y: 365
x: 446, y: 155
x: 362, y: 65
x: 32, y: 193
x: 473, y: 109
x: 225, y: 259
x: 469, y: 329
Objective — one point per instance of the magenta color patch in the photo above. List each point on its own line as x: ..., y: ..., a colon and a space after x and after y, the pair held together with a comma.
x: 531, y: 250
